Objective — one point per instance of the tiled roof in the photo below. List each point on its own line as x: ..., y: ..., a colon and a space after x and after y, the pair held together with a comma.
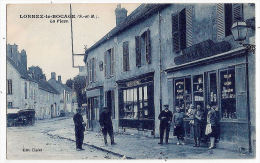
x: 23, y: 72
x: 139, y: 14
x: 44, y: 85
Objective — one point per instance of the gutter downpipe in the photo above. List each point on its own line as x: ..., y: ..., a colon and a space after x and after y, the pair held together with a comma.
x: 160, y: 55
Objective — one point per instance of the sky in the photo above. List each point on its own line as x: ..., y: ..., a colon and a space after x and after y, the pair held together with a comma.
x: 48, y: 45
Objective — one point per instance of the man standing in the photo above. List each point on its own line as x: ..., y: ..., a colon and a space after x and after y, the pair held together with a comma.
x: 79, y: 129
x: 165, y: 118
x: 106, y: 125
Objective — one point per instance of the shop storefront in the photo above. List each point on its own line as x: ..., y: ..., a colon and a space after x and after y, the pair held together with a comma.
x: 136, y: 103
x: 94, y: 103
x: 222, y: 83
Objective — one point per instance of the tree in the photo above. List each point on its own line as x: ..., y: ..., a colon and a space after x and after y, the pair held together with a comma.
x: 79, y: 83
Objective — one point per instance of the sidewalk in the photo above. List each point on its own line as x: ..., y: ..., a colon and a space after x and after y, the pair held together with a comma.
x: 141, y: 147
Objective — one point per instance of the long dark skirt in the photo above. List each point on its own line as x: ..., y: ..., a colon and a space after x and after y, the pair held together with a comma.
x: 197, y: 131
x: 179, y: 132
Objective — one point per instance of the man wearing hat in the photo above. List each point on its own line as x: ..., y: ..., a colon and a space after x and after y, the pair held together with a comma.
x: 165, y: 118
x: 79, y: 129
x: 106, y: 125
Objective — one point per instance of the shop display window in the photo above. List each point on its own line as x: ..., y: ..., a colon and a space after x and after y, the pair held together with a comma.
x: 198, y: 90
x: 228, y: 94
x: 183, y: 93
x: 136, y: 103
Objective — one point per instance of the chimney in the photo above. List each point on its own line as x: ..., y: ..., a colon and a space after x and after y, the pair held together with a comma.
x: 23, y: 58
x: 59, y: 78
x: 53, y: 75
x: 121, y: 14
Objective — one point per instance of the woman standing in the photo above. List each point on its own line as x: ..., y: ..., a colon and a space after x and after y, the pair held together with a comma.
x: 212, y: 122
x: 178, y: 126
x: 198, y: 124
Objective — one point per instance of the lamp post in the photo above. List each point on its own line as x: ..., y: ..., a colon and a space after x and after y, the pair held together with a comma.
x: 239, y: 32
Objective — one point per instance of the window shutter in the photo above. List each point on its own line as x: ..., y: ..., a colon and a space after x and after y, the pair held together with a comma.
x: 241, y: 92
x: 175, y: 32
x: 189, y: 16
x: 148, y: 47
x: 125, y: 56
x: 94, y: 69
x: 138, y: 51
x: 182, y: 28
x: 237, y: 12
x: 112, y: 63
x: 105, y: 64
x: 220, y: 22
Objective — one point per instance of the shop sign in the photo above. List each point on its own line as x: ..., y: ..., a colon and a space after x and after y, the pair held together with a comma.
x: 202, y: 50
x: 133, y: 83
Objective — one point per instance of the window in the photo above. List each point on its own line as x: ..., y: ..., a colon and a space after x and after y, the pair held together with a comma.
x: 198, y: 90
x: 91, y: 66
x: 126, y: 66
x: 183, y: 93
x: 227, y: 14
x: 182, y: 29
x: 9, y: 87
x: 212, y: 89
x: 109, y: 63
x: 143, y: 49
x: 25, y: 90
x: 228, y: 94
x: 136, y: 103
x: 10, y: 104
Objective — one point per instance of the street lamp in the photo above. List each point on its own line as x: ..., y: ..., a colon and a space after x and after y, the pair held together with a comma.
x: 239, y: 32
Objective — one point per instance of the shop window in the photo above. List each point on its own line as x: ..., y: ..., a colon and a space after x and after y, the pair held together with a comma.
x: 183, y: 93
x: 136, y: 103
x: 212, y: 89
x: 228, y: 94
x: 198, y: 90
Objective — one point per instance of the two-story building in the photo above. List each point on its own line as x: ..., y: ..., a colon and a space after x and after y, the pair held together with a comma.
x: 176, y: 54
x: 26, y: 89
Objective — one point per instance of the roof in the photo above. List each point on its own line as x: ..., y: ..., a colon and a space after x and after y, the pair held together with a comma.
x: 62, y: 85
x: 140, y: 13
x: 44, y: 85
x: 23, y: 72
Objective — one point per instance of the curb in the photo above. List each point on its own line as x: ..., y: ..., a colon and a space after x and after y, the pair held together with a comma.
x: 90, y: 145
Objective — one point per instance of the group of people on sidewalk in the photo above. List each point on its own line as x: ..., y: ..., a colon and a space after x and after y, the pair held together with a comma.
x: 196, y: 121
x: 105, y: 124
x: 166, y: 117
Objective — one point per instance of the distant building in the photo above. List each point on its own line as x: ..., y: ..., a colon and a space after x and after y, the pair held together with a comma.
x: 29, y: 89
x: 65, y: 94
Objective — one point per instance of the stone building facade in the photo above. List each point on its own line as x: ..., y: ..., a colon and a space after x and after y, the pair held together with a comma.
x: 67, y: 104
x: 176, y: 54
x: 25, y: 91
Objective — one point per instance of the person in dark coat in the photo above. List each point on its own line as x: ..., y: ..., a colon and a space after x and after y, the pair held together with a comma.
x: 165, y: 118
x: 178, y: 126
x: 79, y: 129
x: 106, y: 125
x: 198, y: 124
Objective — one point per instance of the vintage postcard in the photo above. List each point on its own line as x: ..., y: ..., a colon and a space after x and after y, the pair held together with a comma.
x: 130, y: 81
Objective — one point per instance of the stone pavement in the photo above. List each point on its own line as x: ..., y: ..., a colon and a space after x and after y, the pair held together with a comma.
x: 141, y: 147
